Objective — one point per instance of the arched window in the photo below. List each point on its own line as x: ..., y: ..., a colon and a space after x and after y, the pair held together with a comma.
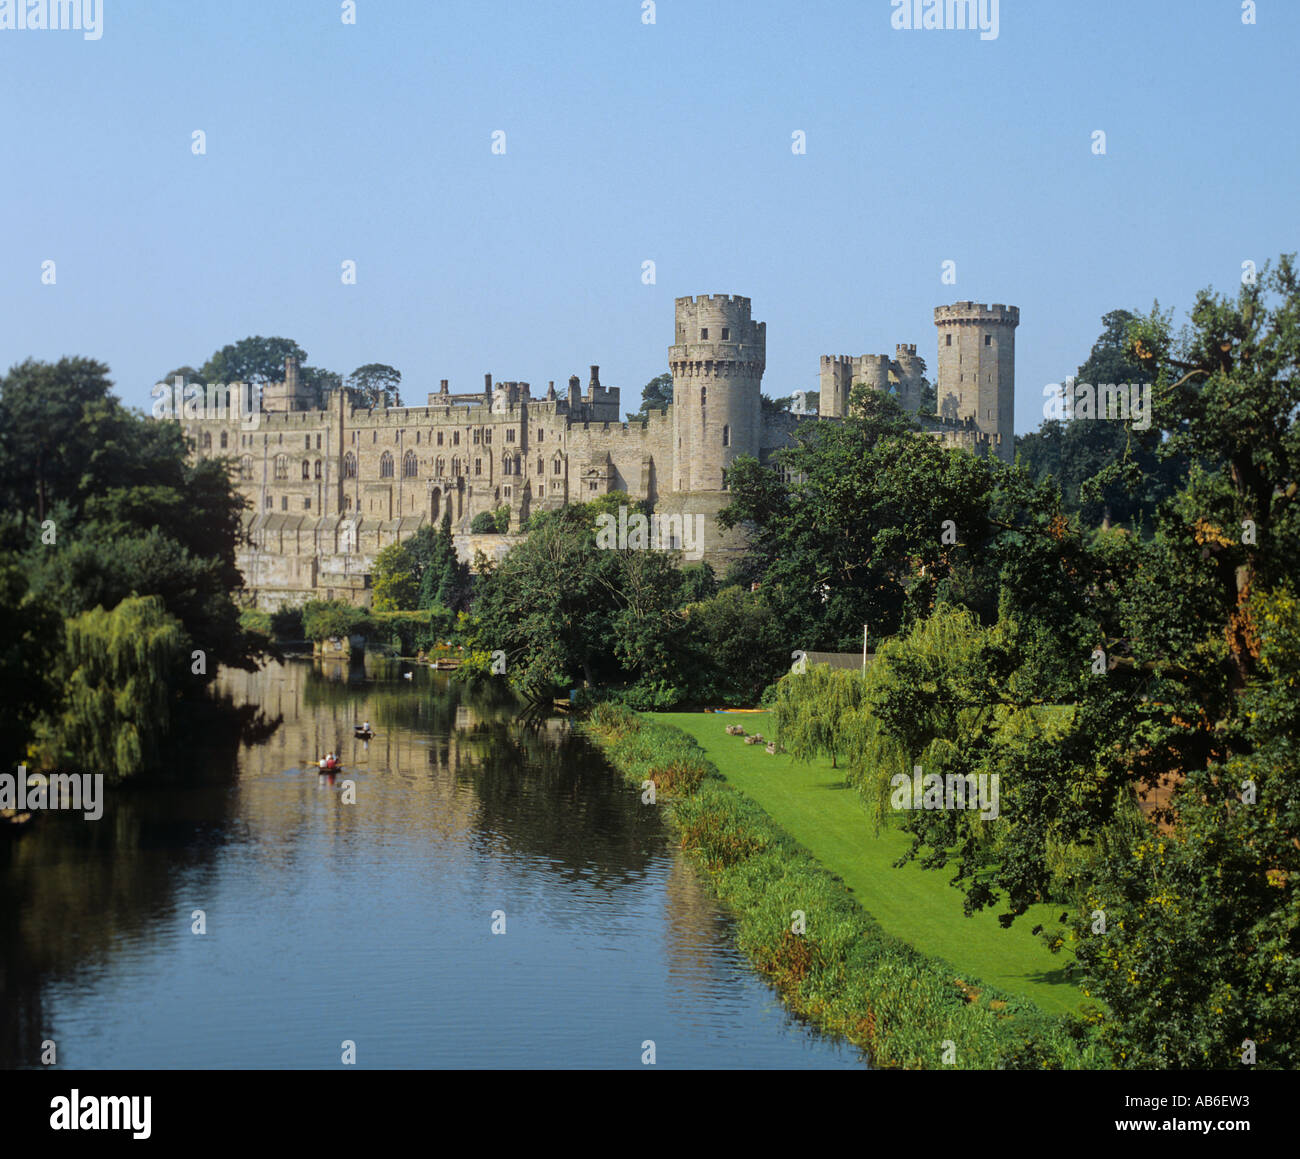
x: 386, y: 466
x: 440, y: 466
x: 224, y: 442
x: 246, y: 467
x: 207, y: 440
x: 282, y: 466
x: 410, y: 465
x: 541, y: 466
x: 455, y: 467
x: 556, y: 467
x: 726, y: 436
x: 704, y: 395
x: 506, y: 465
x: 316, y: 469
x: 478, y: 466
x: 349, y: 466
x: 306, y: 469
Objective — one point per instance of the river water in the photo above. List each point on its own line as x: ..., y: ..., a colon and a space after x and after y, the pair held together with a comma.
x: 372, y: 922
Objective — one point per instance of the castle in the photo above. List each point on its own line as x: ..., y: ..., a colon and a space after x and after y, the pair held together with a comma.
x: 328, y: 488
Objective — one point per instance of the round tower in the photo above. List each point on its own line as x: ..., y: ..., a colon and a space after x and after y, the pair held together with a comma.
x: 977, y: 369
x: 717, y: 361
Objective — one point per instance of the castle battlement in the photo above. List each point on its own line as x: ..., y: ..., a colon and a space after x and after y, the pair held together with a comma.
x: 977, y: 312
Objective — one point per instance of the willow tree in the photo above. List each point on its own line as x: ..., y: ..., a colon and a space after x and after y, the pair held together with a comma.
x: 119, y: 671
x: 813, y: 711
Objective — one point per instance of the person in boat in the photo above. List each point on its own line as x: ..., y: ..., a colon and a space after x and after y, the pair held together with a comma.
x: 323, y: 761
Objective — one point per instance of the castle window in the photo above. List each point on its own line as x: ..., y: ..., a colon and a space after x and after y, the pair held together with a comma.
x: 478, y: 466
x: 988, y: 339
x: 704, y: 395
x: 558, y: 467
x: 726, y: 334
x: 510, y: 434
x: 540, y: 433
x: 374, y: 436
x: 386, y: 466
x: 347, y: 502
x: 505, y: 465
x: 223, y: 440
x: 306, y: 503
x: 270, y: 502
x: 455, y: 438
x: 306, y: 469
x: 318, y: 442
x: 440, y: 466
x: 317, y: 469
x: 417, y: 438
x: 284, y: 502
x: 591, y: 486
x: 455, y: 466
x: 541, y: 489
x: 246, y: 467
x: 726, y: 436
x: 948, y: 338
x: 440, y: 438
x: 349, y: 466
x: 487, y: 436
x: 207, y: 440
x: 306, y: 442
x: 541, y: 466
x: 282, y: 466
x: 704, y: 334
x: 478, y: 436
x: 410, y: 465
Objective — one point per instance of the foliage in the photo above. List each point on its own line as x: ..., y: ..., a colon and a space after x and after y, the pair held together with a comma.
x: 656, y: 395
x: 335, y: 620
x: 374, y: 384
x: 396, y: 585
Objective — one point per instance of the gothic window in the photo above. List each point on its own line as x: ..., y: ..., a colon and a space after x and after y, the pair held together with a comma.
x: 246, y: 467
x: 478, y: 466
x: 487, y: 436
x: 505, y: 465
x: 540, y: 433
x: 704, y: 334
x: 948, y: 339
x: 207, y: 440
x: 317, y: 469
x: 455, y: 438
x: 282, y: 466
x: 726, y: 436
x: 284, y: 502
x: 455, y: 466
x: 440, y: 466
x: 417, y: 438
x: 270, y: 502
x: 726, y: 334
x: 478, y: 436
x: 306, y: 503
x: 386, y: 466
x: 349, y: 466
x: 510, y: 434
x: 318, y: 442
x: 410, y: 465
x: 541, y: 466
x: 557, y: 468
x: 306, y: 469
x: 306, y: 442
x: 224, y: 444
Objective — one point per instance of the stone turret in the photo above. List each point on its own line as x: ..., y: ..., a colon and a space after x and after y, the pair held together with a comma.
x: 717, y: 362
x: 977, y: 368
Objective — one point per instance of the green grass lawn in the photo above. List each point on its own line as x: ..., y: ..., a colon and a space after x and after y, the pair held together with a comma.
x: 814, y: 805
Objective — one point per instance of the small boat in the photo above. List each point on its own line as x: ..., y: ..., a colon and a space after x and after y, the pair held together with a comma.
x: 363, y: 733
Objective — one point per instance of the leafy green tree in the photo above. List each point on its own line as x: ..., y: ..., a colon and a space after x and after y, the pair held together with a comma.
x: 484, y: 523
x: 374, y: 384
x: 657, y: 394
x: 255, y: 360
x: 396, y: 584
x: 30, y: 639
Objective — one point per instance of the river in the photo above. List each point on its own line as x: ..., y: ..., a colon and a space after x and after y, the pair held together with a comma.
x: 372, y: 922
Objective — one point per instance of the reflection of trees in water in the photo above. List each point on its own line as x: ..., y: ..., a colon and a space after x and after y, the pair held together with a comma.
x: 72, y: 892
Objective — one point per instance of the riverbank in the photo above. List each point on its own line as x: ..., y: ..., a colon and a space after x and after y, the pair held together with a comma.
x: 814, y: 805
x: 805, y: 931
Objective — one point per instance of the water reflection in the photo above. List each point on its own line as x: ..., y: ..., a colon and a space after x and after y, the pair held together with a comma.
x: 371, y: 921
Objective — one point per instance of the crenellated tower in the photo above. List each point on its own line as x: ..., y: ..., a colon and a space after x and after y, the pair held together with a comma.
x: 977, y: 368
x: 717, y: 362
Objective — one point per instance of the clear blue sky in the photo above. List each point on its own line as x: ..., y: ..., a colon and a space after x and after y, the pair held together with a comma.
x: 628, y: 142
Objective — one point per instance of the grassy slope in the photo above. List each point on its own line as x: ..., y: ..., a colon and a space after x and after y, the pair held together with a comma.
x: 812, y: 803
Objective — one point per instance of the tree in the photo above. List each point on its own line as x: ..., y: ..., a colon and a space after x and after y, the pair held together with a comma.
x: 374, y: 384
x: 255, y: 360
x: 657, y: 394
x: 396, y: 584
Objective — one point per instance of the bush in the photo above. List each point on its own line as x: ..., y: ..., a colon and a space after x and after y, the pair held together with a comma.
x: 286, y: 624
x: 335, y: 619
